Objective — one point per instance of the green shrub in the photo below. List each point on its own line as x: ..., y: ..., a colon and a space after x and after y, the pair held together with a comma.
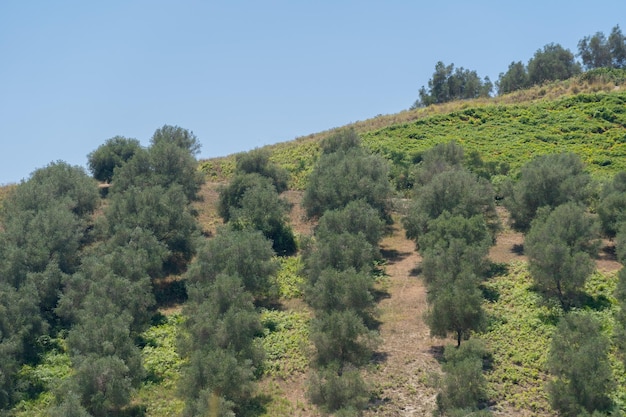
x: 547, y: 181
x: 348, y: 173
x: 285, y: 343
x: 113, y: 154
x: 342, y: 392
x: 578, y: 360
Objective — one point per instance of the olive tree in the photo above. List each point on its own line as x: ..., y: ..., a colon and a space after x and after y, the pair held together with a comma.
x: 612, y: 206
x: 547, y: 180
x: 458, y: 192
x: 464, y: 388
x: 244, y: 253
x: 561, y: 245
x: 114, y: 153
x: 579, y: 363
x: 257, y: 161
x: 347, y: 174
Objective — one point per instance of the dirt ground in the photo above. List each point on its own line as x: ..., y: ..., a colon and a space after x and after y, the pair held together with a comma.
x: 407, y: 356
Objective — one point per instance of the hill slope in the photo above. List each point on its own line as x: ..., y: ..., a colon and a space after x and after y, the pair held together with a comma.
x: 506, y: 132
x: 579, y: 115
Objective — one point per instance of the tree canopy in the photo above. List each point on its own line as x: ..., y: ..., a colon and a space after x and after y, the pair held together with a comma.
x: 546, y: 180
x: 578, y: 360
x: 114, y: 153
x: 170, y: 160
x: 449, y: 84
x: 457, y: 192
x: 612, y: 206
x: 561, y: 245
x: 243, y: 253
x: 257, y: 161
x: 346, y: 174
x: 551, y: 63
x: 599, y: 52
x: 515, y: 78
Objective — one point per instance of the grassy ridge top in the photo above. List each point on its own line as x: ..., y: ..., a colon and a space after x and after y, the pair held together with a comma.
x: 592, y: 125
x: 578, y: 115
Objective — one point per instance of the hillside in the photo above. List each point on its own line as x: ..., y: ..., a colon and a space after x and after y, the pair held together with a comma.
x: 586, y: 117
x: 499, y: 135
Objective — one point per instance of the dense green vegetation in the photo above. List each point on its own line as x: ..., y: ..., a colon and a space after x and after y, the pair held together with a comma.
x: 583, y: 115
x: 251, y: 200
x: 591, y: 125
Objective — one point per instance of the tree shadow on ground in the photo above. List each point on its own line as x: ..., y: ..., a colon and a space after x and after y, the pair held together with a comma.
x: 437, y: 352
x: 608, y: 253
x: 371, y: 322
x: 415, y: 271
x: 497, y: 269
x: 599, y: 303
x: 136, y: 410
x: 552, y: 318
x: 379, y: 357
x: 169, y: 292
x: 490, y: 294
x: 380, y: 294
x: 580, y: 300
x: 518, y: 249
x: 393, y: 256
x: 255, y: 406
x: 269, y: 303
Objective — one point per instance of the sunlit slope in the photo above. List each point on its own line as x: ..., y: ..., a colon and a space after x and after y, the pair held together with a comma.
x: 588, y: 119
x: 593, y: 125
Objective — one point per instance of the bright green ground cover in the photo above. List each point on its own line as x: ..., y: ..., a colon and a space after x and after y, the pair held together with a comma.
x: 518, y: 336
x: 157, y: 395
x: 519, y: 332
x: 285, y: 342
x: 593, y: 125
x: 54, y: 367
x: 289, y: 278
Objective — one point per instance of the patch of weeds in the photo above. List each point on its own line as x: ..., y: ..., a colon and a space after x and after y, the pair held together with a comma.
x: 285, y: 342
x: 497, y: 269
x: 519, y: 334
x: 159, y: 355
x: 601, y: 286
x: 519, y: 339
x: 158, y: 394
x: 274, y: 402
x: 38, y: 381
x: 289, y: 278
x: 490, y: 294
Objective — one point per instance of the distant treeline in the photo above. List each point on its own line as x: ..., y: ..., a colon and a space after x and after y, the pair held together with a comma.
x: 551, y: 63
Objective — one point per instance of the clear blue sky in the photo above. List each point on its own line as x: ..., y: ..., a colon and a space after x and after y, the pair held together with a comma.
x: 242, y: 74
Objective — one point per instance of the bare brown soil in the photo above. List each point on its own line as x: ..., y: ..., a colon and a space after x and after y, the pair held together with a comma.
x: 297, y: 216
x: 607, y: 260
x: 407, y: 363
x: 208, y: 218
